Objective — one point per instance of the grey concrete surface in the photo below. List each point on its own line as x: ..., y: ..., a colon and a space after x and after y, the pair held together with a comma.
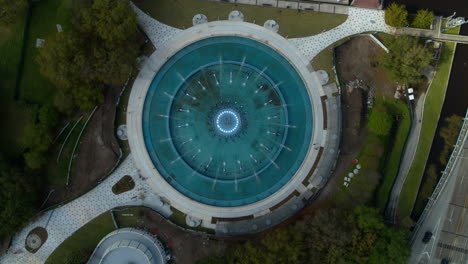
x: 446, y: 217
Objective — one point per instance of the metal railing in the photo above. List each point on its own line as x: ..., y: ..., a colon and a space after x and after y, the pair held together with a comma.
x: 445, y: 175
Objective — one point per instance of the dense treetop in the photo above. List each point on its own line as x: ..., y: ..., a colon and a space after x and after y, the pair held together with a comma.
x: 406, y: 60
x: 396, y: 15
x: 99, y: 51
x: 423, y: 19
x: 332, y: 236
x: 10, y: 9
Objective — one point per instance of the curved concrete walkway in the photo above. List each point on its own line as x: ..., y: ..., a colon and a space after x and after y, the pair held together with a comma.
x: 62, y: 222
x: 359, y: 20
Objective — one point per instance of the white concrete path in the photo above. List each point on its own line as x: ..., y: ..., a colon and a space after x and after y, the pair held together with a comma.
x: 359, y: 20
x: 65, y: 220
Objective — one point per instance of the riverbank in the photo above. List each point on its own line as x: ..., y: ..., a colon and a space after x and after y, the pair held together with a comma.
x: 432, y: 108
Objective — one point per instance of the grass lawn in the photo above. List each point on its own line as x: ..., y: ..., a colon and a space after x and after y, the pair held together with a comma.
x: 380, y: 160
x: 84, y: 239
x: 177, y: 217
x: 455, y: 30
x: 324, y: 60
x: 11, y: 37
x: 15, y: 115
x: 125, y: 184
x: 392, y: 163
x: 179, y: 14
x: 45, y: 15
x: 129, y: 217
x: 432, y: 107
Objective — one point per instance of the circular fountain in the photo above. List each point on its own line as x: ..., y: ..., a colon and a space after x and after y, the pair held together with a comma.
x: 225, y: 127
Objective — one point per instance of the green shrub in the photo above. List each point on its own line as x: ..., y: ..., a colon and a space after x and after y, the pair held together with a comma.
x: 396, y: 15
x: 423, y: 19
x: 380, y: 122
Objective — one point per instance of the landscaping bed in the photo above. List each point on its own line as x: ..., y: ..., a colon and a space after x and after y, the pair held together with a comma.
x: 125, y: 184
x: 379, y: 155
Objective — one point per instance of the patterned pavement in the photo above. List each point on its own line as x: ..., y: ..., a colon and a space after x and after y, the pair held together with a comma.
x: 359, y: 20
x: 64, y: 221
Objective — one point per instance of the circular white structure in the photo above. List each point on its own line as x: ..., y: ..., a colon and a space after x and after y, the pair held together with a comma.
x: 33, y: 241
x: 122, y: 132
x: 227, y: 120
x: 271, y: 25
x: 199, y: 19
x: 129, y: 245
x: 236, y: 15
x: 323, y: 76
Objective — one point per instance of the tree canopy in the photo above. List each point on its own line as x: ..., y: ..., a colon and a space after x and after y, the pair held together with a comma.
x: 423, y: 19
x: 331, y: 236
x: 98, y: 52
x: 10, y: 10
x: 17, y: 196
x: 396, y: 15
x: 406, y: 60
x: 449, y: 133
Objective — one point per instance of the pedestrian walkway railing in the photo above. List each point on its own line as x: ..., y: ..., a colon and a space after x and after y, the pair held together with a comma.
x: 445, y: 175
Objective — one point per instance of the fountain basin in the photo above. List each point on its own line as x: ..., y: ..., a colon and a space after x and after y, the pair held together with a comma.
x: 227, y: 121
x: 250, y: 73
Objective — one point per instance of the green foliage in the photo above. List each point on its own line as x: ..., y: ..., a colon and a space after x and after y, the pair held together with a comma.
x: 380, y: 122
x: 75, y: 257
x: 37, y: 137
x: 392, y: 247
x: 432, y: 107
x: 449, y: 133
x: 401, y: 127
x: 10, y: 10
x: 427, y: 188
x: 396, y: 15
x: 48, y: 116
x: 282, y: 246
x: 18, y: 196
x: 109, y: 20
x: 35, y: 158
x: 325, y: 236
x: 423, y: 19
x: 406, y: 60
x: 332, y: 236
x: 99, y: 51
x: 212, y: 260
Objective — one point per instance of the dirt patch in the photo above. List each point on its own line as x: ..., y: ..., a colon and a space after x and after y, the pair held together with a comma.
x: 186, y: 247
x: 357, y: 60
x: 98, y: 152
x: 125, y: 184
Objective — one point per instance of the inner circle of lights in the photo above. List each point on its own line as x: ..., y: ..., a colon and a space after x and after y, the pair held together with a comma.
x: 227, y: 121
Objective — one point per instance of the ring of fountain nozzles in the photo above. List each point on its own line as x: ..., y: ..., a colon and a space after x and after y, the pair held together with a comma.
x: 236, y: 16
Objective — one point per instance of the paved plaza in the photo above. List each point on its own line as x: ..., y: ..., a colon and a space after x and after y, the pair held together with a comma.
x: 63, y: 221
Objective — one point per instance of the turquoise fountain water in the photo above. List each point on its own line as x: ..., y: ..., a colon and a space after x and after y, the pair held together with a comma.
x: 227, y: 121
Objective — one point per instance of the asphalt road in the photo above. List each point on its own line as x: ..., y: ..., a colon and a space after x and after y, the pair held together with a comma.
x: 447, y: 220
